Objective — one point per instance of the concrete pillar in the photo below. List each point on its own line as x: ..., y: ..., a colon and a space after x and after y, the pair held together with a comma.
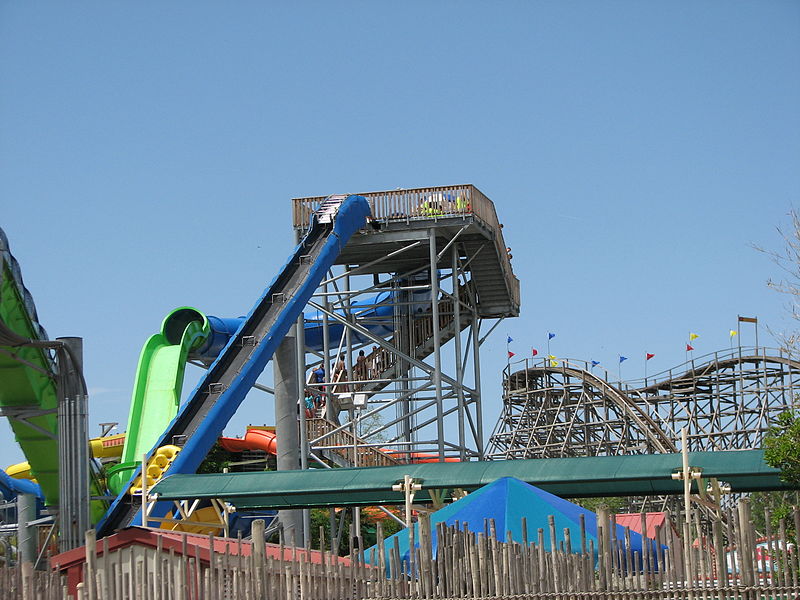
x: 27, y: 544
x: 284, y: 365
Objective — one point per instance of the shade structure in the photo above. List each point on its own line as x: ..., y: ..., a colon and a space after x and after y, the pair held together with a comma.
x: 507, y: 500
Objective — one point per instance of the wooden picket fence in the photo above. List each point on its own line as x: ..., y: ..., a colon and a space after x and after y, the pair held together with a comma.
x: 722, y: 562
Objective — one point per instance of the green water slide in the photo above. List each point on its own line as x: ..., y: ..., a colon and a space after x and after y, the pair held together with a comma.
x: 27, y: 377
x: 157, y: 388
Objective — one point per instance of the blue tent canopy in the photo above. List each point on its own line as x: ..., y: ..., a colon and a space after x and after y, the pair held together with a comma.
x: 507, y: 500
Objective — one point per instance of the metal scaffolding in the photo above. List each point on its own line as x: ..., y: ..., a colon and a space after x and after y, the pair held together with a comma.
x: 726, y: 400
x: 412, y: 293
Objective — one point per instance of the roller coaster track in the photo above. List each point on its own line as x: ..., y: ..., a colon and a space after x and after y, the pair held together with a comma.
x: 727, y: 400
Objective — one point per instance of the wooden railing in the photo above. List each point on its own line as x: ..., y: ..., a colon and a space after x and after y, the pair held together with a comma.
x: 342, y: 442
x: 382, y: 361
x: 427, y: 203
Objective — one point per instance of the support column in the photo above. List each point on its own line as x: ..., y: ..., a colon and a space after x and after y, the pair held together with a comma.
x: 330, y: 413
x: 301, y: 393
x: 459, y: 370
x: 284, y: 365
x: 437, y: 345
x: 73, y: 446
x: 403, y: 330
x: 476, y: 366
x: 27, y: 544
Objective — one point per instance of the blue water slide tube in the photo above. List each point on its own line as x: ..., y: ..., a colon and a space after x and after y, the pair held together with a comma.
x: 10, y: 487
x: 374, y: 313
x: 230, y: 377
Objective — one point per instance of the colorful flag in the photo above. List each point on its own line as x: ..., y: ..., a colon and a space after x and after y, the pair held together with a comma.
x: 534, y: 352
x: 595, y: 363
x: 511, y: 354
x: 621, y: 358
x: 648, y: 356
x: 509, y: 340
x: 553, y: 363
x: 689, y: 348
x: 693, y: 336
x: 733, y: 332
x: 550, y: 336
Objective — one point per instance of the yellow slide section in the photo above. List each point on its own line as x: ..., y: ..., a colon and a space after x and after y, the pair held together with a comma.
x: 109, y: 446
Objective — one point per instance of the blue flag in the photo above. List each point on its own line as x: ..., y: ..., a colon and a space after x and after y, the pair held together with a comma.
x: 550, y: 336
x: 621, y: 358
x: 509, y: 340
x: 595, y: 363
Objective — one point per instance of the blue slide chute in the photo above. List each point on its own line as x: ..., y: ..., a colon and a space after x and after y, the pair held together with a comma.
x: 230, y: 377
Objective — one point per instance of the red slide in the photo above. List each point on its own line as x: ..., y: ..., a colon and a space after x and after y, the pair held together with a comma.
x: 254, y: 439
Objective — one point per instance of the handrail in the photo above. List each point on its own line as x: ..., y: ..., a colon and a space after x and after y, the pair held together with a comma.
x: 343, y: 442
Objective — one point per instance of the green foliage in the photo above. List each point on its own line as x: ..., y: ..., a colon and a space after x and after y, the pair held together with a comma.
x: 782, y: 447
x: 780, y: 507
x: 321, y: 517
x: 612, y: 504
x: 216, y: 460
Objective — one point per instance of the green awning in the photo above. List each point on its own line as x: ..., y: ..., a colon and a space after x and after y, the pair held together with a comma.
x: 635, y: 475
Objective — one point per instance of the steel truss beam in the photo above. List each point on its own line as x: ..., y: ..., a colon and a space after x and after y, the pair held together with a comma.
x: 420, y: 389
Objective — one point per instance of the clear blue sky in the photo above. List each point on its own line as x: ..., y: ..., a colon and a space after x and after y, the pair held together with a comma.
x: 634, y: 150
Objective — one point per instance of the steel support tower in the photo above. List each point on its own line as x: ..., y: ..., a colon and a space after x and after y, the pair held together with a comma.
x: 412, y: 293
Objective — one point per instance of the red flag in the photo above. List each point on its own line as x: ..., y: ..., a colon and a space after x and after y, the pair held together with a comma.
x: 648, y: 356
x: 689, y: 348
x: 534, y: 352
x: 510, y: 354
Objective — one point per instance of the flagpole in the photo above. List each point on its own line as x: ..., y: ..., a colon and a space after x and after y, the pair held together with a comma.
x: 756, y: 323
x: 739, y: 332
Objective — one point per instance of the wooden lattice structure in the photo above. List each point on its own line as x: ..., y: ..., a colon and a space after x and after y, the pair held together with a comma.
x: 726, y: 400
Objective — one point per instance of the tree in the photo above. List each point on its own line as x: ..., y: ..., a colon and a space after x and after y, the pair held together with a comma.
x: 788, y: 259
x: 216, y: 460
x: 611, y: 504
x: 782, y: 447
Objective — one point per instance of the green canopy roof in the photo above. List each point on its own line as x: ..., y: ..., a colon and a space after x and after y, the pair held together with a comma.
x: 635, y: 475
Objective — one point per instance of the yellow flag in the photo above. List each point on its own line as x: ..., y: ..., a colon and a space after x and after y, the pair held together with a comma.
x: 553, y: 361
x: 693, y: 336
x: 734, y: 332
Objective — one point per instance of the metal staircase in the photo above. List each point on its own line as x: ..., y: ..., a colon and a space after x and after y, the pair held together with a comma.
x: 337, y: 447
x: 423, y: 335
x: 343, y: 448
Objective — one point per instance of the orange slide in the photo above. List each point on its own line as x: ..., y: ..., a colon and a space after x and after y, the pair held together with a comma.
x: 256, y: 438
x: 417, y: 457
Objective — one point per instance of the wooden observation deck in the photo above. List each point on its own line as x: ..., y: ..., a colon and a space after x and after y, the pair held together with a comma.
x: 459, y: 213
